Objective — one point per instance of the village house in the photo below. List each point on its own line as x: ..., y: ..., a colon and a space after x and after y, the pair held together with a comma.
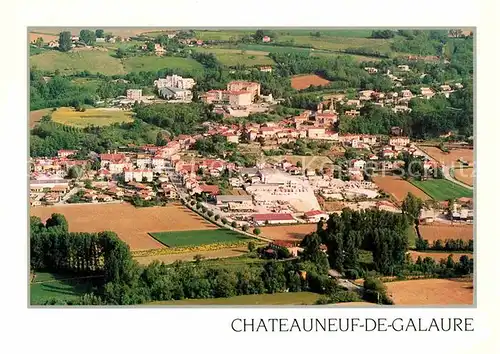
x: 401, y: 109
x: 142, y: 160
x: 169, y: 191
x: 355, y: 174
x: 252, y: 87
x: 358, y: 164
x: 355, y: 103
x: 459, y: 85
x: 371, y: 70
x: 406, y: 94
x: 266, y: 69
x: 232, y: 98
x: 210, y: 190
x: 365, y: 95
x: 138, y: 175
x: 426, y: 92
x: 396, y: 131
x: 399, y: 141
x: 66, y: 153
x: 266, y: 39
x: 134, y: 94
x: 404, y: 67
x: 352, y: 113
x: 114, y: 163
x: 388, y: 154
x: 231, y: 137
x: 315, y: 132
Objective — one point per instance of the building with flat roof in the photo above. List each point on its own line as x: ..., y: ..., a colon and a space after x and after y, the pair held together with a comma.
x: 273, y: 219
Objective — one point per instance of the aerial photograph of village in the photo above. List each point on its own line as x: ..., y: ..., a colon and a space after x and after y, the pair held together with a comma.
x: 252, y: 166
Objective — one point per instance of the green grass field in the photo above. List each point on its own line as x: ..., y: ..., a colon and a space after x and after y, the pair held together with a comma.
x: 351, y: 33
x: 339, y: 43
x: 92, y: 116
x: 269, y: 48
x: 223, y: 35
x: 301, y: 298
x: 155, y: 63
x: 442, y: 189
x: 95, y: 61
x: 232, y: 57
x: 198, y: 237
x: 48, y: 286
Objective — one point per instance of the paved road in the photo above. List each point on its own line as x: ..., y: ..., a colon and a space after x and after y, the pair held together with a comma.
x: 68, y: 195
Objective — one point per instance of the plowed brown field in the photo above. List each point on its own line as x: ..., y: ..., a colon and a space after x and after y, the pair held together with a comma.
x: 464, y: 175
x: 398, y: 187
x: 301, y: 82
x: 451, y: 158
x: 432, y: 292
x: 130, y: 224
x: 287, y: 232
x: 446, y: 231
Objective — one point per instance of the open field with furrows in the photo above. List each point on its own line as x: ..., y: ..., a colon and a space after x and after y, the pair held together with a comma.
x: 450, y: 159
x: 301, y: 298
x: 131, y: 224
x: 287, y: 232
x: 310, y: 162
x: 464, y: 175
x: 432, y: 292
x: 398, y: 187
x: 442, y: 189
x: 438, y: 256
x: 47, y: 286
x: 91, y: 116
x: 301, y: 82
x: 33, y: 36
x: 189, y: 256
x: 156, y: 63
x: 35, y: 116
x: 95, y: 61
x: 438, y: 231
x: 192, y: 238
x: 233, y: 57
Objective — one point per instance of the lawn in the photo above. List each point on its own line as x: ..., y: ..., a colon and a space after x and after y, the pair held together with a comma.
x: 442, y: 189
x: 233, y: 57
x: 48, y: 286
x: 95, y: 61
x: 92, y: 116
x: 155, y: 63
x: 300, y: 298
x: 198, y: 237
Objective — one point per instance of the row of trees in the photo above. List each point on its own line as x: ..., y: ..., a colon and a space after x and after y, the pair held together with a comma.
x: 445, y: 245
x: 48, y: 137
x: 86, y: 36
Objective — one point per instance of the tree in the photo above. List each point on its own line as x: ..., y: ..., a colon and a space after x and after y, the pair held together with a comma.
x: 160, y: 139
x: 87, y: 37
x: 245, y: 228
x: 210, y: 213
x: 224, y: 221
x: 39, y: 42
x: 259, y: 34
x: 251, y: 246
x: 256, y: 231
x: 197, y: 258
x: 88, y: 184
x: 75, y: 172
x: 234, y: 224
x: 217, y: 217
x: 120, y: 53
x: 99, y: 33
x: 411, y: 208
x: 65, y: 43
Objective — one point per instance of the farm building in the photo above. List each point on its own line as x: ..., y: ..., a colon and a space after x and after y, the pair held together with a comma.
x: 273, y: 219
x: 315, y: 215
x: 240, y: 199
x: 41, y: 184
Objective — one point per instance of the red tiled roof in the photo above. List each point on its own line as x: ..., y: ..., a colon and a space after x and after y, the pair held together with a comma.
x: 212, y: 189
x: 272, y: 217
x: 313, y: 213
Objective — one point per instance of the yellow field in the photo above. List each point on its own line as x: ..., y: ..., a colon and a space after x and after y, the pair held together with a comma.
x: 93, y: 116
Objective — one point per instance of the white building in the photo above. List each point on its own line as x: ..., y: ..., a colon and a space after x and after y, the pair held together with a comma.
x: 175, y: 81
x: 134, y: 94
x: 138, y: 175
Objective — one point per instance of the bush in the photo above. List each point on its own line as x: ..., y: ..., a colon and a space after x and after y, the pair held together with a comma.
x: 198, y: 205
x: 256, y: 231
x: 375, y: 291
x: 217, y: 217
x: 234, y: 224
x: 203, y: 209
x: 193, y: 202
x: 351, y: 274
x: 224, y: 221
x: 245, y: 228
x: 210, y: 213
